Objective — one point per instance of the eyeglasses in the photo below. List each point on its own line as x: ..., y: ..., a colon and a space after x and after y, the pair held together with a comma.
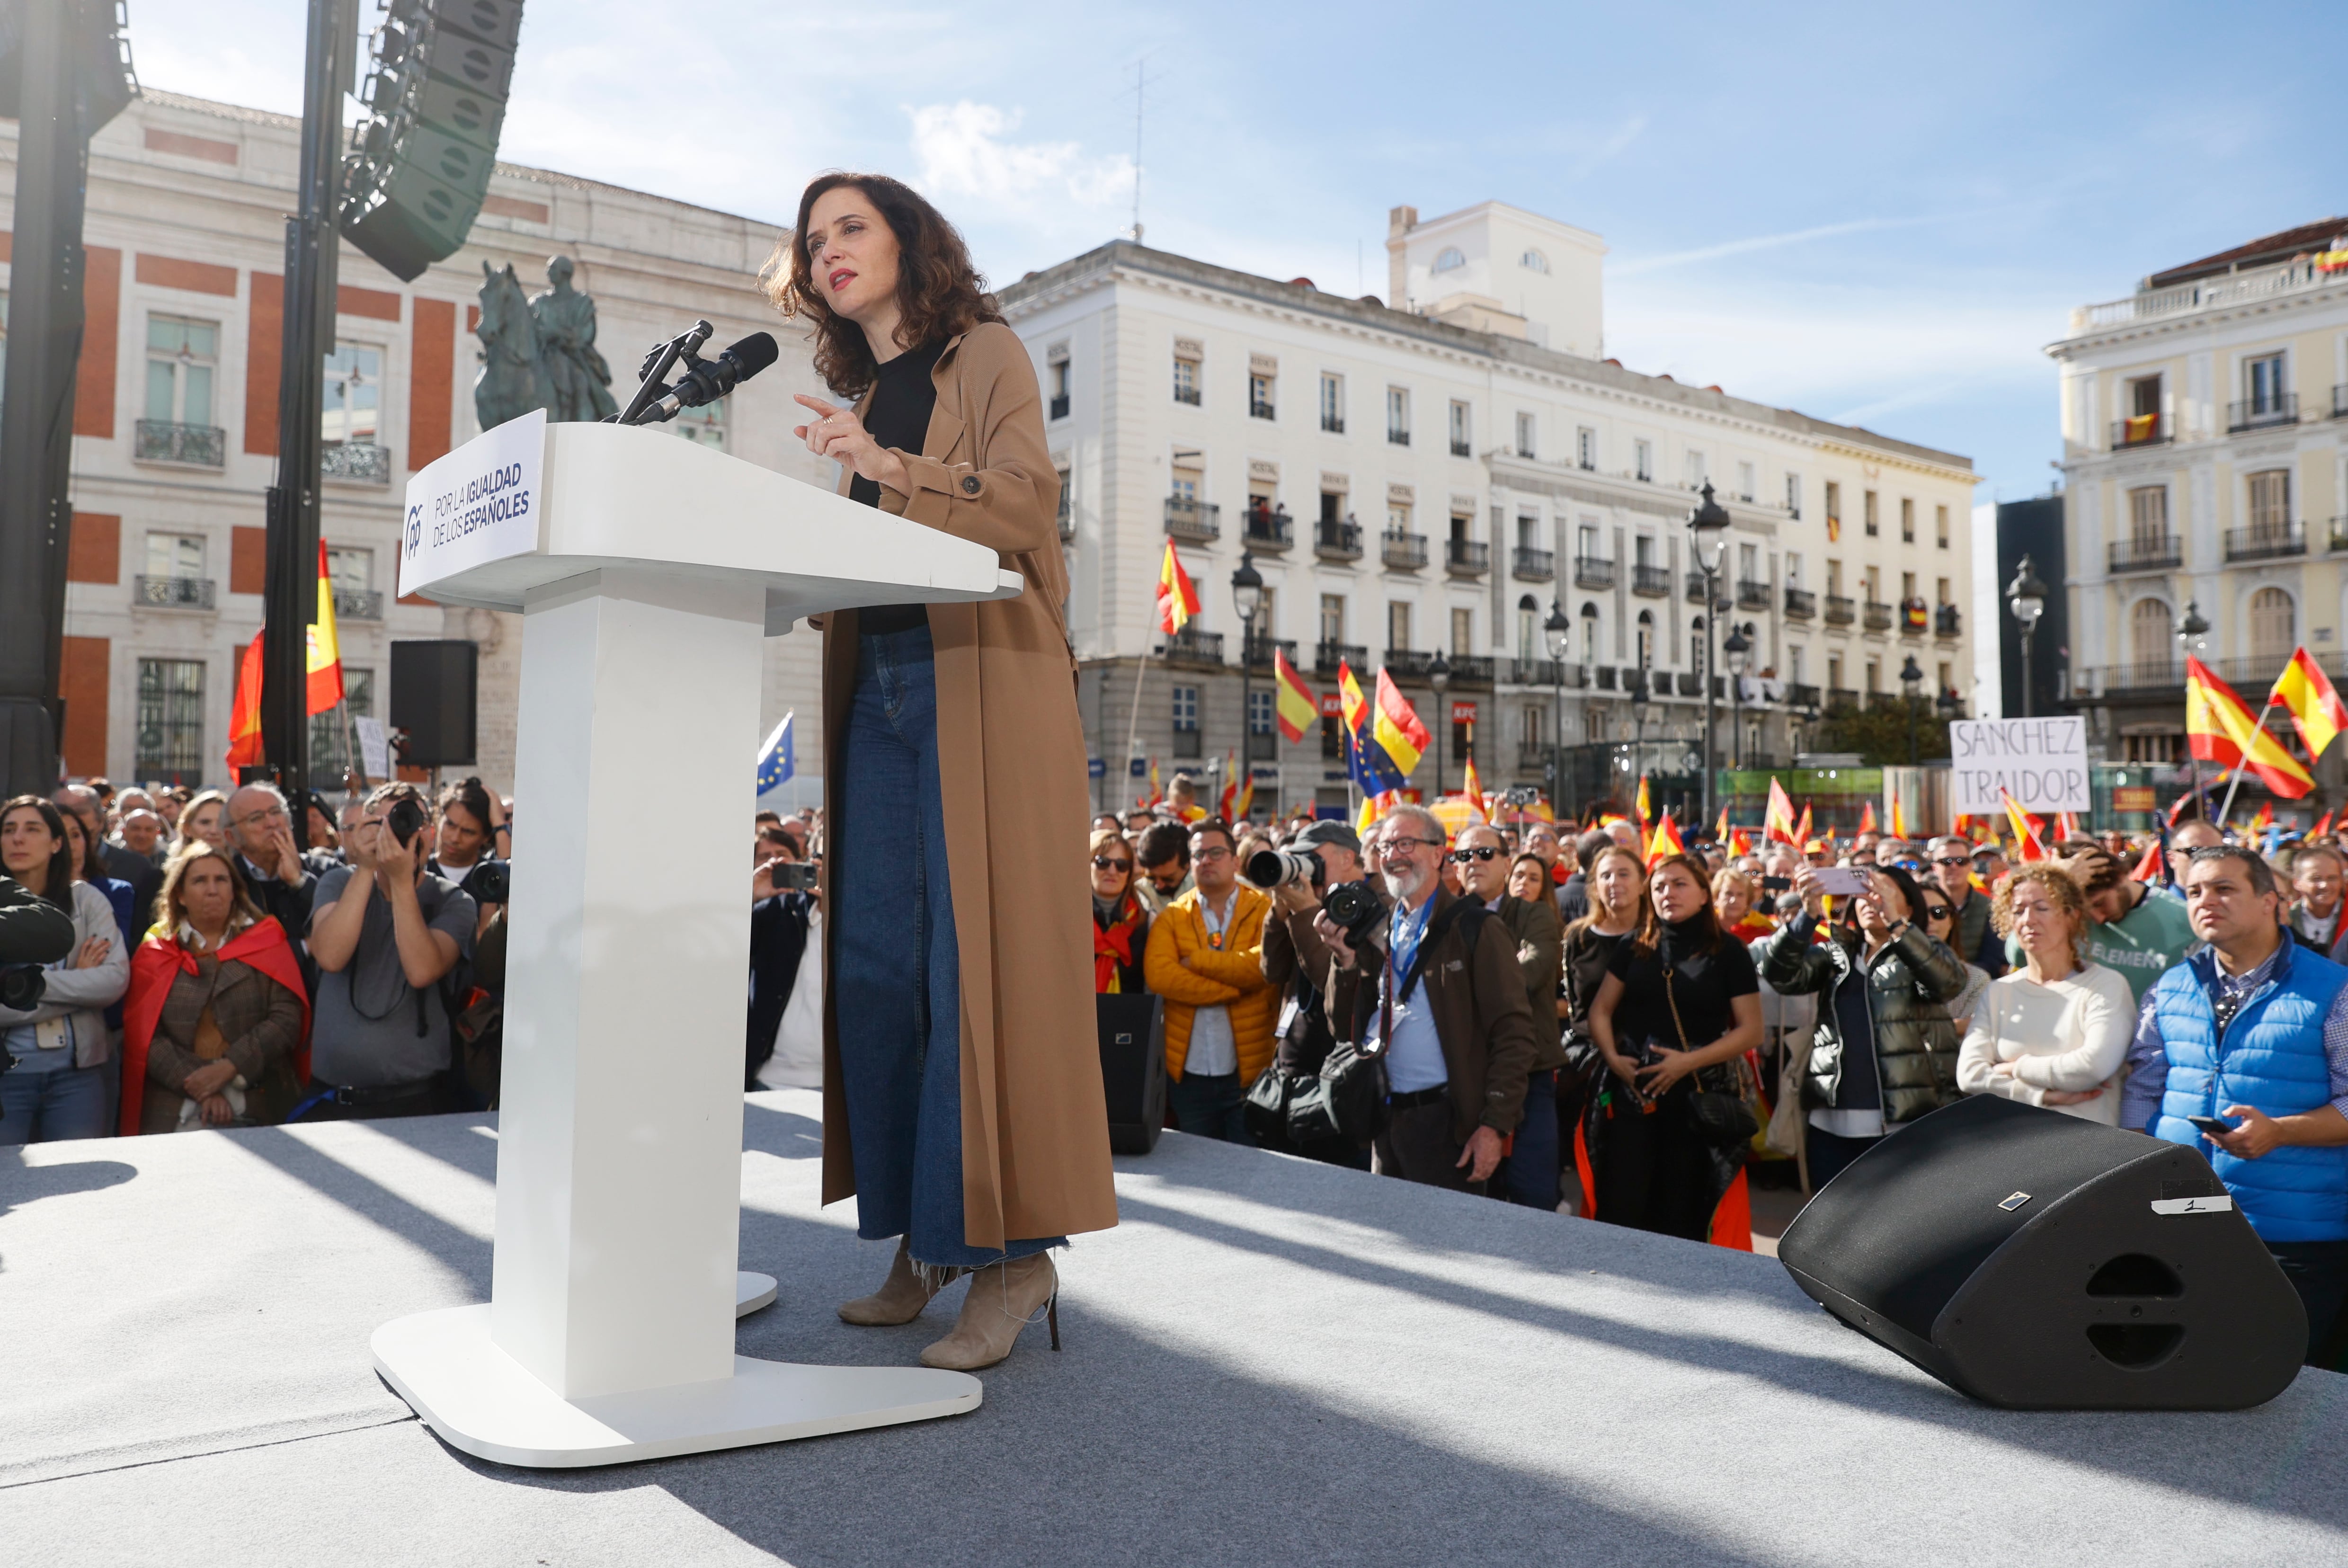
x: 1951, y: 861
x: 1481, y: 852
x: 1391, y: 846
x: 1212, y: 852
x: 271, y: 814
x: 1110, y: 863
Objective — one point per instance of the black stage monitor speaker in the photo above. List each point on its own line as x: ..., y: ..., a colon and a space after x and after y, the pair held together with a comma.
x: 2042, y: 1262
x: 1133, y: 1069
x: 432, y: 687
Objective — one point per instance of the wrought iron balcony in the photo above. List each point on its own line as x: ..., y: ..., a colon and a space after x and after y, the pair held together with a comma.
x: 1915, y: 617
x: 1272, y: 532
x: 2260, y: 413
x: 1606, y: 677
x: 2339, y: 534
x: 1879, y: 615
x: 2266, y: 541
x: 1060, y: 407
x: 1402, y: 552
x: 1799, y: 696
x: 1472, y: 669
x: 1840, y: 612
x: 1800, y: 604
x: 1259, y: 651
x: 2150, y: 554
x: 198, y: 445
x: 355, y: 463
x: 1948, y: 621
x: 1067, y: 517
x: 359, y: 603
x: 1696, y: 587
x: 1327, y: 656
x: 1462, y: 449
x: 2141, y: 431
x: 1337, y: 540
x: 1408, y: 663
x: 1655, y: 582
x: 1193, y: 647
x: 172, y: 592
x: 1334, y: 424
x: 1841, y: 697
x: 1691, y: 684
x: 1259, y: 407
x: 1396, y: 438
x: 1529, y: 565
x: 1530, y: 672
x: 1752, y: 595
x: 1466, y: 557
x: 1593, y: 572
x: 1197, y: 521
x: 1577, y: 676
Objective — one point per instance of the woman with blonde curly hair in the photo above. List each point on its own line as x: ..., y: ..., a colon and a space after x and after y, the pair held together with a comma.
x: 2056, y: 1031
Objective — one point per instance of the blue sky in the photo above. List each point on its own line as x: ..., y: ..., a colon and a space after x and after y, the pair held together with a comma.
x: 1874, y: 213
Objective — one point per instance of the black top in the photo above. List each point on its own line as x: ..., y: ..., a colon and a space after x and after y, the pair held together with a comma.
x: 1589, y: 954
x: 1702, y: 985
x: 898, y: 417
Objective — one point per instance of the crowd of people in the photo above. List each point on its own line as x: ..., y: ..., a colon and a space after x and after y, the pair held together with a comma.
x: 1571, y: 1021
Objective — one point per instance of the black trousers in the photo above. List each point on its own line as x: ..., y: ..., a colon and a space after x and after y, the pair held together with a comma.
x: 2319, y: 1272
x: 1417, y: 1146
x: 1656, y: 1172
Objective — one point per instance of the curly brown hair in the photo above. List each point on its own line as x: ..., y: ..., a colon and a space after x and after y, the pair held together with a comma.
x: 939, y: 293
x: 2061, y: 881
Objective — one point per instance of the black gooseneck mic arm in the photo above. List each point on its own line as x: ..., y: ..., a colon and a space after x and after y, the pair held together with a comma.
x: 704, y: 381
x: 656, y: 367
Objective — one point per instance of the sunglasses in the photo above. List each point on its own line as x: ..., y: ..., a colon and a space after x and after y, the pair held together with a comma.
x: 1937, y: 911
x: 1952, y: 860
x: 1481, y: 852
x: 1110, y: 863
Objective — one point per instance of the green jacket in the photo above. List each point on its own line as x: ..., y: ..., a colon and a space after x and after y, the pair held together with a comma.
x: 1908, y: 987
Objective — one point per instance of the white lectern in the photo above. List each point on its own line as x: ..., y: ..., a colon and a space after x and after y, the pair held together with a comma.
x: 648, y: 569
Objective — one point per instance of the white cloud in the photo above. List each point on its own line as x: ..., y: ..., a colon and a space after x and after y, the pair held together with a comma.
x: 963, y: 149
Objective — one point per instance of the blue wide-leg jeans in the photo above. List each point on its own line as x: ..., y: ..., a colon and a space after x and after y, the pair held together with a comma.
x: 896, y: 966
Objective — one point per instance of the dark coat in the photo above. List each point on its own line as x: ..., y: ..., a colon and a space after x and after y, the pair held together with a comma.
x: 146, y: 880
x: 1294, y: 956
x: 1541, y: 945
x: 779, y: 935
x: 1908, y: 986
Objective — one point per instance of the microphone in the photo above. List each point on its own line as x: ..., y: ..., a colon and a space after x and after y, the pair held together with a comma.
x: 710, y: 379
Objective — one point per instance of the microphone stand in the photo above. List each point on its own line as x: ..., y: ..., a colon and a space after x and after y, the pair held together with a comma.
x: 652, y: 376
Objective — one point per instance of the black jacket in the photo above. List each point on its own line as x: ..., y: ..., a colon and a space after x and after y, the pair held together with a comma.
x: 1908, y: 986
x: 778, y: 934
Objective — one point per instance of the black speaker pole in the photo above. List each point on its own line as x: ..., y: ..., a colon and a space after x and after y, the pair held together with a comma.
x: 290, y: 594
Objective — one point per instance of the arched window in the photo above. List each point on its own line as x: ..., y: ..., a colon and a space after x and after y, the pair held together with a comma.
x: 1528, y: 642
x: 1533, y: 262
x: 2274, y: 625
x: 1695, y: 642
x: 2148, y: 641
x: 1646, y: 639
x: 1449, y: 259
x: 1589, y: 632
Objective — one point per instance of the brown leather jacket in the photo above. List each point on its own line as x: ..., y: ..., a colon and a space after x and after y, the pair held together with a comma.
x: 1476, y: 997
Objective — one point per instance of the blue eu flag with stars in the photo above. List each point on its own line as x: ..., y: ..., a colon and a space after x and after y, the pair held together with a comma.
x: 775, y: 764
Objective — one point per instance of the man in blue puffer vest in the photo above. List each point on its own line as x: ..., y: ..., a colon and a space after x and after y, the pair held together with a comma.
x: 2254, y: 1029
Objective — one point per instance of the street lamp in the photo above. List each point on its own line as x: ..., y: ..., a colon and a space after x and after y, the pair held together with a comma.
x: 1736, y: 651
x: 1912, y: 688
x: 1559, y: 631
x: 2026, y: 596
x: 1639, y: 719
x: 1247, y: 598
x: 1708, y: 525
x: 2193, y: 637
x: 1438, y: 676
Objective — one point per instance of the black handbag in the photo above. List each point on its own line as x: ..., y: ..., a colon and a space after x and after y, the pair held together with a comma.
x: 1268, y: 1099
x: 1722, y: 1116
x: 1348, y: 1099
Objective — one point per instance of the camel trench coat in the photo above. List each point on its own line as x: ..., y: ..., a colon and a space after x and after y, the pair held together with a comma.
x: 1011, y: 756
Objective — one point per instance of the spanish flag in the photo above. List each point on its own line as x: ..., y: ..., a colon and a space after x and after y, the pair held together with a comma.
x: 1178, y: 596
x: 245, y: 713
x: 323, y: 665
x: 1801, y: 840
x: 1646, y: 806
x: 1740, y: 842
x: 2218, y: 728
x: 1899, y: 819
x: 1470, y: 785
x: 1390, y: 740
x: 1666, y: 840
x: 1777, y: 822
x: 1720, y: 828
x: 2315, y: 707
x: 325, y: 651
x: 1231, y: 787
x: 1292, y: 705
x: 2025, y: 831
x: 1867, y: 818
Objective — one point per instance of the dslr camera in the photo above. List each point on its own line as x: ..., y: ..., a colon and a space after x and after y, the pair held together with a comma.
x: 1270, y: 869
x: 492, y: 881
x: 1356, y: 909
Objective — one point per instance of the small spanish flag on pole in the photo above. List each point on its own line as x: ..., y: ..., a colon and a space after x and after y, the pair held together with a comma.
x: 1292, y: 705
x: 1666, y: 840
x: 1178, y: 596
x: 2315, y: 707
x: 2025, y: 831
x: 1867, y: 818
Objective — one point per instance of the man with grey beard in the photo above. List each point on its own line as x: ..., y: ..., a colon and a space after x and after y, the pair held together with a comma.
x: 1437, y: 990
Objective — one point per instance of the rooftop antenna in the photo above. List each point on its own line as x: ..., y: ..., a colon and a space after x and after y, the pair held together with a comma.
x: 1142, y: 81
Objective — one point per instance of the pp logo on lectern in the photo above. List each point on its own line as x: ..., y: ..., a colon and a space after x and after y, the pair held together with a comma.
x: 414, y: 530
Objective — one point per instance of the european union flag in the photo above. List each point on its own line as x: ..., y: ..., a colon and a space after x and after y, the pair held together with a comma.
x: 775, y: 764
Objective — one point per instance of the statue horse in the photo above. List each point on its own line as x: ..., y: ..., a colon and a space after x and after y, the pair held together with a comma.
x: 513, y: 379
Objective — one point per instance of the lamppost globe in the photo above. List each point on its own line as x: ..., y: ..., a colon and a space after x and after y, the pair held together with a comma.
x: 1736, y: 651
x: 1247, y: 598
x: 1247, y: 588
x: 1912, y: 677
x: 1709, y: 523
x: 2026, y: 596
x: 2192, y: 631
x: 1559, y: 631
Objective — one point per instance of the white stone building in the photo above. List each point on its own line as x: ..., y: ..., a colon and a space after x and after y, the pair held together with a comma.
x: 1429, y: 479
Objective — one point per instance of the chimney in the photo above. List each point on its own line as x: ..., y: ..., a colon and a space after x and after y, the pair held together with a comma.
x: 1400, y: 221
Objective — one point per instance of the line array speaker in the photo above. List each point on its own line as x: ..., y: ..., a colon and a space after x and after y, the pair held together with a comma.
x: 2042, y: 1262
x: 420, y: 166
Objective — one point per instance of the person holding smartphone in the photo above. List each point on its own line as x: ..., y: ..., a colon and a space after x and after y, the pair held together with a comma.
x: 1885, y: 1052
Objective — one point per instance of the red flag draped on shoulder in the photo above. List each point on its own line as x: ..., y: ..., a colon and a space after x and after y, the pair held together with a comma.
x: 261, y: 946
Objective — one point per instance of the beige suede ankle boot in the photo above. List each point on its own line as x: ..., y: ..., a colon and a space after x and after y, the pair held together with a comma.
x: 1003, y: 1299
x: 900, y: 1299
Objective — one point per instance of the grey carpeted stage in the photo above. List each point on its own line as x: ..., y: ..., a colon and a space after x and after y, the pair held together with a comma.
x: 1268, y: 1362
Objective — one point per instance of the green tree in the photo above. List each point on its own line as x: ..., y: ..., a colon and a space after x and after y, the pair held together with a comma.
x: 1879, y: 732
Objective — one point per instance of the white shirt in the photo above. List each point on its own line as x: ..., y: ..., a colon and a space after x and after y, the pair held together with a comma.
x: 2071, y: 1034
x: 1415, y: 1060
x: 1213, y: 1048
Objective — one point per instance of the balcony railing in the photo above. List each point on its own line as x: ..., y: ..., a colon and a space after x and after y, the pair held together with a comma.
x: 1402, y: 552
x: 172, y: 592
x: 1192, y: 519
x: 1193, y: 647
x: 1327, y: 656
x: 1259, y: 650
x: 198, y: 445
x: 2259, y: 413
x: 1272, y: 532
x: 1474, y: 669
x: 1529, y: 565
x: 1466, y: 557
x: 356, y: 462
x: 2141, y: 431
x: 1334, y: 424
x: 1840, y: 612
x: 1655, y: 582
x: 2339, y: 533
x: 1067, y: 517
x: 2147, y: 554
x: 1800, y: 604
x: 1591, y: 571
x: 1841, y: 697
x: 1408, y: 663
x: 1397, y: 438
x: 1948, y: 621
x: 1691, y: 683
x: 1259, y: 407
x: 1752, y: 595
x: 1799, y: 696
x: 1878, y: 616
x: 1605, y: 674
x: 1696, y: 587
x: 2340, y: 402
x: 359, y: 603
x: 1462, y: 449
x: 1531, y: 672
x: 2266, y: 541
x: 1915, y: 617
x: 1337, y: 540
x: 2255, y: 672
x: 1060, y: 407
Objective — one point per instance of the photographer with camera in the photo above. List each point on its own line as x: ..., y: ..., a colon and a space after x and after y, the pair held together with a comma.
x: 1320, y: 856
x: 385, y: 933
x: 63, y: 1052
x: 470, y: 835
x: 785, y: 955
x: 1433, y: 989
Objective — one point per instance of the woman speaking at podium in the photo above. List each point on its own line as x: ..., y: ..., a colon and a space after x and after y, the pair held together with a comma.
x: 962, y: 1087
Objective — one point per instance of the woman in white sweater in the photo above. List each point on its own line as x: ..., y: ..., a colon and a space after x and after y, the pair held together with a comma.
x: 61, y: 1086
x: 2056, y: 1031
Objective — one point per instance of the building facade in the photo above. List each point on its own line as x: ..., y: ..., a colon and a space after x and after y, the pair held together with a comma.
x: 2205, y: 469
x: 1431, y: 479
x: 175, y: 433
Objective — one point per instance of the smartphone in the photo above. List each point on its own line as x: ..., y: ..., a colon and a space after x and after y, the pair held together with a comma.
x: 792, y: 876
x: 1843, y: 882
x: 1776, y: 885
x: 2212, y: 1125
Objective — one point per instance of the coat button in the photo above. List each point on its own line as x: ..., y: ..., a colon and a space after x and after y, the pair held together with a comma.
x: 970, y: 485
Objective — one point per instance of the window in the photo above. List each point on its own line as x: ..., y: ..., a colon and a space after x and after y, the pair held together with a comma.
x: 1646, y: 639
x: 2270, y: 506
x: 353, y: 395
x: 1463, y: 632
x: 1585, y: 541
x: 1834, y: 578
x: 1186, y: 379
x: 1874, y: 676
x: 1332, y: 402
x: 1794, y: 665
x: 349, y: 568
x: 1186, y: 710
x: 1524, y: 434
x: 1398, y: 521
x: 171, y: 720
x: 1589, y: 631
x: 1449, y: 259
x: 2144, y: 396
x: 1907, y: 586
x: 2266, y: 383
x: 1528, y: 633
x: 1533, y: 262
x: 1067, y: 501
x: 1794, y: 494
x: 1332, y: 617
x: 1941, y: 526
x: 182, y: 356
x: 1260, y: 394
x: 1642, y: 549
x: 1748, y: 563
x: 2273, y: 626
x: 1398, y: 625
x: 1833, y: 512
x: 1460, y: 445
x: 1834, y: 672
x: 330, y: 732
x: 1696, y: 643
x: 705, y: 425
x: 1874, y: 582
x: 1398, y: 416
x: 1258, y: 712
x: 1793, y: 569
x: 2148, y: 517
x: 1748, y: 484
x: 1060, y: 387
x: 1642, y: 460
x: 175, y: 555
x: 1695, y: 469
x: 1585, y: 450
x: 1874, y: 521
x: 1907, y: 521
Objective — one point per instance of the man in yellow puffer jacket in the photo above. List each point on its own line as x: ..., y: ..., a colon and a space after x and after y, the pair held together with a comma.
x: 1206, y: 959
